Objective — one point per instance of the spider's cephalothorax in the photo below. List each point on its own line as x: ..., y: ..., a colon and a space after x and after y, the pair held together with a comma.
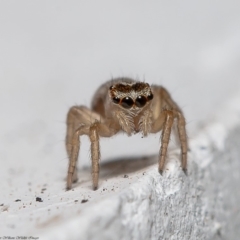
x: 131, y: 95
x: 123, y: 104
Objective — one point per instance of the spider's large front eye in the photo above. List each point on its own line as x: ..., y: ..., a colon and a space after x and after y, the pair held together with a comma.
x: 127, y: 102
x: 140, y: 101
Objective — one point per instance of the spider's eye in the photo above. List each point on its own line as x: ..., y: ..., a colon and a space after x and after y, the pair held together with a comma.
x: 111, y: 88
x: 140, y: 101
x: 150, y: 96
x: 116, y: 100
x: 127, y: 102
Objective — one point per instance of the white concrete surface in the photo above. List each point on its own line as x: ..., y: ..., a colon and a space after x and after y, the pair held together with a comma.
x: 54, y: 54
x: 202, y: 205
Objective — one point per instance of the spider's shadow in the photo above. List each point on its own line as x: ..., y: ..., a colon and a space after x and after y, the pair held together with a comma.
x: 126, y: 165
x: 121, y: 166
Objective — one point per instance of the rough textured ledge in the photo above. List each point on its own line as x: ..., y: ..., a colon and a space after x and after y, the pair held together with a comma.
x: 202, y: 205
x: 144, y: 205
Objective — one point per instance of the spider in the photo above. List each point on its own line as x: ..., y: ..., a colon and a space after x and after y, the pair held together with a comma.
x: 123, y: 104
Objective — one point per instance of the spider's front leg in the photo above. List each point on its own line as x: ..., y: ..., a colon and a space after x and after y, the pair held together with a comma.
x: 95, y: 152
x: 165, y: 122
x: 77, y: 117
x: 73, y: 155
x: 183, y: 139
x: 92, y: 132
x: 166, y: 132
x: 77, y: 125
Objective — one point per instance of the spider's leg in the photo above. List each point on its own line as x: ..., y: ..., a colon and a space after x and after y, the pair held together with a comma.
x: 75, y: 143
x: 183, y: 139
x: 77, y: 116
x: 95, y: 154
x: 98, y: 129
x: 166, y: 132
x: 166, y: 98
x: 82, y: 120
x: 166, y: 110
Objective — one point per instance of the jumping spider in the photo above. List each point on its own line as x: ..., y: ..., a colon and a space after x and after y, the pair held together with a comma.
x: 123, y: 104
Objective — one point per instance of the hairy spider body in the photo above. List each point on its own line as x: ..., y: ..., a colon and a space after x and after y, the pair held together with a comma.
x: 123, y: 104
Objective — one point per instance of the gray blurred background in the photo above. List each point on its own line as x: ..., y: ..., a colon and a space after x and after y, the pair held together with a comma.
x: 54, y: 54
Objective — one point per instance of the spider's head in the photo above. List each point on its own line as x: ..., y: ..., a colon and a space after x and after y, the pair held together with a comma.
x: 131, y: 95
